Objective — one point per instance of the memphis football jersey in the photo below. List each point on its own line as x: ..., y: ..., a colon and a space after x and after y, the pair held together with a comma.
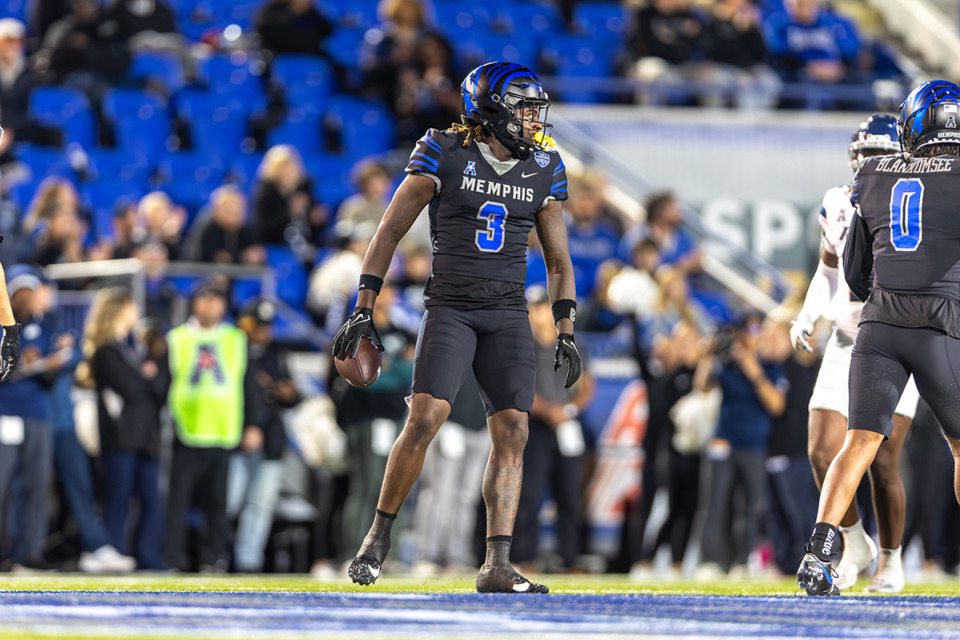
x: 483, y: 208
x: 910, y: 211
x: 836, y: 211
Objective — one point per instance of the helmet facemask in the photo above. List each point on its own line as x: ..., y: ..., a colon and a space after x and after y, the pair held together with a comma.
x: 868, y: 147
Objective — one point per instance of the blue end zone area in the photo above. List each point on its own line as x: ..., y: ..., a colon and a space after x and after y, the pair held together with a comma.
x: 199, y: 614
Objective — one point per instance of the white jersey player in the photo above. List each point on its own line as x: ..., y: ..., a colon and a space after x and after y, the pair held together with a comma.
x: 828, y: 296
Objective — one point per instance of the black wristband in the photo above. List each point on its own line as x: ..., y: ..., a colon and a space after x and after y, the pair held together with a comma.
x: 565, y: 308
x: 373, y: 283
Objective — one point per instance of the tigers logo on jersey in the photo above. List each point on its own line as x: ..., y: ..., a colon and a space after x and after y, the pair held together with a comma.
x: 207, y: 360
x: 542, y: 158
x: 471, y: 169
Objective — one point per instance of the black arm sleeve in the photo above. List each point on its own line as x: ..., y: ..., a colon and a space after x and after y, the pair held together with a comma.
x: 858, y: 257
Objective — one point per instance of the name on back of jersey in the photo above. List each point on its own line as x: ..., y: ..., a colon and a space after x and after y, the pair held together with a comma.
x: 497, y: 189
x: 895, y: 164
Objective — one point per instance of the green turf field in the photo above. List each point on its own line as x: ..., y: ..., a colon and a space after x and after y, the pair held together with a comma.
x: 591, y: 584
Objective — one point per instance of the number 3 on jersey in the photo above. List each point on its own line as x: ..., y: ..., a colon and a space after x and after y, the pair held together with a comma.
x: 490, y: 240
x: 906, y: 214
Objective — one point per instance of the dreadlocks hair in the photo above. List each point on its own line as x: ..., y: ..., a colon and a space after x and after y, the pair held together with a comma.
x: 476, y: 132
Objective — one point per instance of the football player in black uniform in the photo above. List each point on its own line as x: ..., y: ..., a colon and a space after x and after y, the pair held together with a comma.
x: 487, y: 182
x: 902, y: 256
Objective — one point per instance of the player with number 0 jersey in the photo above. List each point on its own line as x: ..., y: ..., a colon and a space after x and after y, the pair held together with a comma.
x: 829, y: 296
x: 902, y: 256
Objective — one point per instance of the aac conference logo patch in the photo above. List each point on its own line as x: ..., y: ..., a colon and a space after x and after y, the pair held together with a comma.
x: 542, y: 158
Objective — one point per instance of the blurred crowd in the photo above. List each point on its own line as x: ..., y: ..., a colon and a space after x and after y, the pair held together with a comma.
x: 114, y: 453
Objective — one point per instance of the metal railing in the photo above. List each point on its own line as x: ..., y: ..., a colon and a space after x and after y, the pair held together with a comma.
x: 741, y: 270
x: 136, y: 274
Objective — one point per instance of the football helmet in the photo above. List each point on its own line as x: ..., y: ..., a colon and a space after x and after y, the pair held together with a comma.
x: 502, y: 96
x: 930, y: 115
x: 878, y: 133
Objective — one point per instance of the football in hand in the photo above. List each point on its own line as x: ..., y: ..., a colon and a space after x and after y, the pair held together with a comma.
x: 363, y: 369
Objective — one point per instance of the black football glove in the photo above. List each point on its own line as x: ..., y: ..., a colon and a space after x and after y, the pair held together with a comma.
x: 357, y: 326
x: 9, y: 350
x: 567, y: 353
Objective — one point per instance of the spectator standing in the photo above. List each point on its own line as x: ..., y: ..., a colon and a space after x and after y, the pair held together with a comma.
x: 26, y: 443
x: 677, y: 442
x: 753, y: 393
x: 793, y: 492
x: 554, y: 454
x: 213, y: 396
x: 256, y: 470
x: 131, y: 390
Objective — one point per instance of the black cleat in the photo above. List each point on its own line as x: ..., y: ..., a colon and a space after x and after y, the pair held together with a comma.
x: 364, y: 570
x: 504, y: 579
x: 817, y: 576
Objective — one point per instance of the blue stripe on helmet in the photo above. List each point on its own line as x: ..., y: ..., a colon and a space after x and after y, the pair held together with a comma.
x: 496, y: 74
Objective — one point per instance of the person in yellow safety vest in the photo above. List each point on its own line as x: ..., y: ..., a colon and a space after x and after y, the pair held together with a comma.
x: 213, y: 401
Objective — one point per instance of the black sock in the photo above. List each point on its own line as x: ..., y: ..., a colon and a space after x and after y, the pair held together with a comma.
x: 382, y: 523
x: 826, y: 542
x: 498, y: 550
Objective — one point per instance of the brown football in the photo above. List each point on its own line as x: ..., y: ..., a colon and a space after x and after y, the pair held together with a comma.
x: 362, y: 370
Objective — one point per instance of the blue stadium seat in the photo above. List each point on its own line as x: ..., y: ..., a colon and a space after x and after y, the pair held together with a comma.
x: 607, y: 19
x: 68, y: 110
x: 577, y: 56
x: 243, y: 290
x: 102, y: 197
x: 238, y: 75
x: 483, y: 46
x: 159, y: 67
x: 290, y: 273
x: 116, y: 164
x: 345, y: 46
x: 305, y: 80
x: 220, y: 137
x: 302, y: 129
x: 366, y: 127
x: 43, y: 161
x: 22, y: 192
x: 191, y: 177
x: 531, y: 19
x: 139, y: 119
x: 458, y: 18
x: 14, y: 9
x: 243, y: 169
x: 355, y: 14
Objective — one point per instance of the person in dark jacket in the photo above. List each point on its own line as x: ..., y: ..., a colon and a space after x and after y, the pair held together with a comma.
x: 284, y: 209
x: 256, y: 468
x: 131, y: 390
x: 292, y: 26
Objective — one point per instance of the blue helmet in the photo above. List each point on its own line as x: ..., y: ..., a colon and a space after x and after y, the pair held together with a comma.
x: 930, y: 115
x: 877, y: 135
x: 494, y: 94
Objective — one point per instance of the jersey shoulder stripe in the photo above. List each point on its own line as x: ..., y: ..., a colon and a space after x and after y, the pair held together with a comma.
x: 427, y: 153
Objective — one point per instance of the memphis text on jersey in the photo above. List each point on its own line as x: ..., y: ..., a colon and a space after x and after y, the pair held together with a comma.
x: 498, y: 189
